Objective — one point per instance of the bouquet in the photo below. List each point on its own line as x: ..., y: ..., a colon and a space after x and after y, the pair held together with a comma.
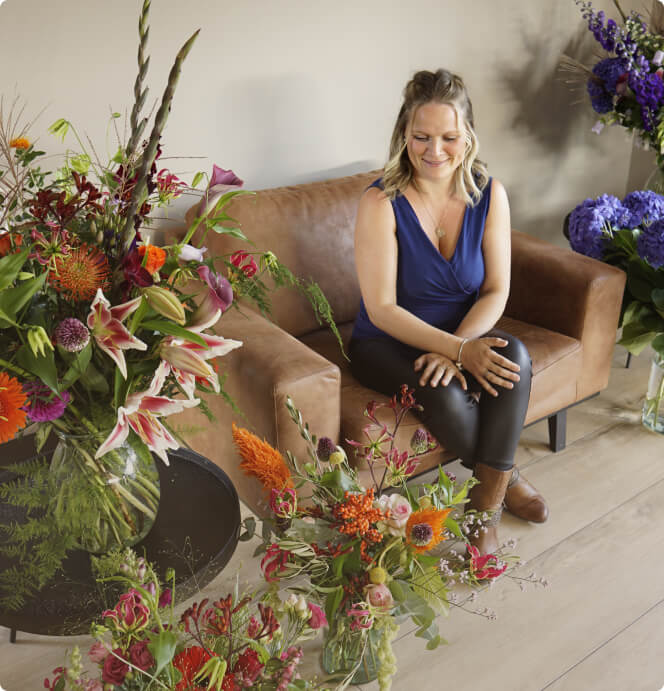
x: 626, y: 87
x: 372, y: 557
x: 237, y: 642
x: 104, y: 335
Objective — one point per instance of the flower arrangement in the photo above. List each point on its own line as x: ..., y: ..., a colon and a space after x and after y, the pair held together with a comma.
x: 104, y: 335
x: 236, y: 642
x: 372, y: 557
x: 629, y: 234
x: 626, y: 86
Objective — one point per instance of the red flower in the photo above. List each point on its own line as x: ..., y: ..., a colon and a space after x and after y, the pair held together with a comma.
x: 189, y: 663
x: 140, y: 656
x: 486, y: 567
x: 274, y: 560
x: 130, y: 613
x: 228, y: 684
x: 115, y: 668
x: 248, y: 667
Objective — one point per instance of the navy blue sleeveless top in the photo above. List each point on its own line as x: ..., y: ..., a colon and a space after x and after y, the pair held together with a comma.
x: 438, y: 291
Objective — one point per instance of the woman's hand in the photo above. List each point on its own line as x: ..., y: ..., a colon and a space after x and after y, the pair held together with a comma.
x: 487, y: 366
x: 438, y: 369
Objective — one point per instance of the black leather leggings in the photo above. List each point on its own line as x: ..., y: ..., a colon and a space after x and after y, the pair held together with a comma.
x: 485, y: 431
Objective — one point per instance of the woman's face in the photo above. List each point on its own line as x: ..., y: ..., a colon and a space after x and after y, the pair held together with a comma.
x: 436, y: 141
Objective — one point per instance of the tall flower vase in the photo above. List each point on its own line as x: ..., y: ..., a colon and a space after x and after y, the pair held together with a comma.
x: 653, y: 406
x: 107, y: 502
x: 347, y: 653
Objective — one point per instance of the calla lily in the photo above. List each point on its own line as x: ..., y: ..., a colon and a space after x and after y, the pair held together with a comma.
x: 141, y: 413
x: 105, y: 323
x: 221, y: 176
x: 217, y: 300
x: 187, y: 360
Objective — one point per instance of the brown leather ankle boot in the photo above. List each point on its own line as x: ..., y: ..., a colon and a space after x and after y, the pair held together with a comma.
x: 488, y: 496
x: 523, y: 500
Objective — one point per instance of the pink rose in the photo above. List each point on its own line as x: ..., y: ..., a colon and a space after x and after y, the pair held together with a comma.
x: 98, y: 652
x: 317, y: 618
x: 115, y: 669
x: 140, y: 656
x: 400, y: 510
x: 379, y: 595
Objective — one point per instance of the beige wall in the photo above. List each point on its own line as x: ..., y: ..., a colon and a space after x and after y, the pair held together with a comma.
x: 287, y: 91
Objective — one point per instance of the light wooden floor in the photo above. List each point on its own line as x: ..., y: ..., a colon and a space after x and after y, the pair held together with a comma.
x: 599, y: 624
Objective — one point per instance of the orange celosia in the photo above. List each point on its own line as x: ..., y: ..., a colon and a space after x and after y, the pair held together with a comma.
x: 20, y: 143
x: 12, y: 398
x: 261, y: 460
x: 156, y: 257
x: 424, y: 529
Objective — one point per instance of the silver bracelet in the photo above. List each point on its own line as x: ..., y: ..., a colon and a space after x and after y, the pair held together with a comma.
x: 458, y: 362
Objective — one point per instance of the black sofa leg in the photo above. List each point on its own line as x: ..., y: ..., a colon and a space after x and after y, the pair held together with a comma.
x: 628, y: 360
x: 558, y: 431
x: 12, y: 635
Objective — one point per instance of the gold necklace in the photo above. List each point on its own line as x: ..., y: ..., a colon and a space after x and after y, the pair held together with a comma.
x: 438, y: 226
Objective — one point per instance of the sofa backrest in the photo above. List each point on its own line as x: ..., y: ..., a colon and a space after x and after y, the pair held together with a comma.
x: 310, y: 228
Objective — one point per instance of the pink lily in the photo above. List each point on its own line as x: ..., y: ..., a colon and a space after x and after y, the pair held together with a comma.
x: 361, y: 617
x: 187, y: 360
x: 105, y: 323
x: 486, y: 567
x: 141, y: 413
x: 217, y: 300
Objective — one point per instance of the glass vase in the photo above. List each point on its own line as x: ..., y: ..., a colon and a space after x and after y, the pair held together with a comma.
x: 653, y: 406
x: 347, y: 653
x: 107, y: 502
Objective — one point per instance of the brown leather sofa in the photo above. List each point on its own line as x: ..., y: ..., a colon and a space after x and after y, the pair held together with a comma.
x: 562, y: 305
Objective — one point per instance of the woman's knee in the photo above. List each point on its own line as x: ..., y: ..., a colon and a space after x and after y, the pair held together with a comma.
x: 515, y: 350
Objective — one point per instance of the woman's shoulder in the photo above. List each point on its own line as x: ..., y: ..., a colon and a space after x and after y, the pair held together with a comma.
x: 374, y: 196
x: 375, y: 208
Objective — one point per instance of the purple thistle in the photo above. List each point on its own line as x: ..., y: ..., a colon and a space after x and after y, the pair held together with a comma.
x: 44, y: 405
x: 71, y: 334
x: 326, y: 447
x: 419, y: 442
x: 650, y: 243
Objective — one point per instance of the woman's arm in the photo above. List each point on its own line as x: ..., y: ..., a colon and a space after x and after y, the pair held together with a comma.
x: 376, y: 262
x: 488, y: 309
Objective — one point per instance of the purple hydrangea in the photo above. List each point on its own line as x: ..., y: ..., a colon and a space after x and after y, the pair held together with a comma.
x: 44, y: 405
x: 588, y: 221
x: 602, y: 87
x: 650, y: 243
x: 643, y: 206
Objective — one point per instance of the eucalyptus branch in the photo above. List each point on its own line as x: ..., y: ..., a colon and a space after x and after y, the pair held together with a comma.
x: 128, y: 233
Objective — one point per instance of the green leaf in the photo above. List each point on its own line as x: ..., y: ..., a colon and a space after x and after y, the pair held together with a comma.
x: 169, y: 328
x: 332, y: 602
x: 398, y: 593
x: 250, y: 529
x: 233, y: 232
x: 338, y: 481
x: 197, y: 178
x: 658, y: 344
x: 657, y: 297
x: 77, y: 368
x: 41, y: 435
x: 162, y: 646
x: 12, y: 300
x: 635, y: 337
x: 434, y: 642
x: 42, y: 366
x: 10, y: 267
x: 93, y: 380
x: 80, y: 163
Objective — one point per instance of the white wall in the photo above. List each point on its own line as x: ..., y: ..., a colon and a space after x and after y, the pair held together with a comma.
x: 287, y: 91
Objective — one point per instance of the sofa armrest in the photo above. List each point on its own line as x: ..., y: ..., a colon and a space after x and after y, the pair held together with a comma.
x: 564, y: 291
x: 269, y: 366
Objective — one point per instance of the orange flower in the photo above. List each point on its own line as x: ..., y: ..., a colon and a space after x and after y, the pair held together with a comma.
x: 261, y: 460
x: 424, y: 529
x: 156, y: 257
x: 6, y: 240
x: 80, y: 273
x: 12, y: 398
x: 20, y: 143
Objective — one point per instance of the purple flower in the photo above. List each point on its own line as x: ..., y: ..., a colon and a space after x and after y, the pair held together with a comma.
x: 165, y: 598
x: 644, y: 207
x: 217, y: 300
x: 44, y: 405
x: 135, y: 273
x: 220, y: 176
x: 326, y: 447
x: 649, y: 93
x: 650, y: 244
x: 602, y: 86
x: 71, y: 334
x: 588, y: 221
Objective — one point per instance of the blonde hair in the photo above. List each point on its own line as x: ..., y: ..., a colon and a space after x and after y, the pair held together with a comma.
x: 441, y: 86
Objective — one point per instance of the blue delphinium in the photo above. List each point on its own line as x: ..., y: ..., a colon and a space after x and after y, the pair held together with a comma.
x: 602, y: 87
x: 643, y: 206
x: 649, y: 93
x: 650, y: 243
x: 588, y: 222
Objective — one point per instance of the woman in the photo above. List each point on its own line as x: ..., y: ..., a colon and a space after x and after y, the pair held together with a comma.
x: 432, y: 249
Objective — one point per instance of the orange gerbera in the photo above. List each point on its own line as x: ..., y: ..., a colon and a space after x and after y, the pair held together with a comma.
x: 156, y: 257
x: 12, y: 398
x: 425, y: 530
x: 261, y: 460
x: 20, y: 143
x: 80, y: 273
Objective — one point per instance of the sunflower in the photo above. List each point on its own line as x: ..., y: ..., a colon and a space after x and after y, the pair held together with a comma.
x: 78, y: 274
x: 12, y: 398
x: 261, y: 460
x: 424, y: 529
